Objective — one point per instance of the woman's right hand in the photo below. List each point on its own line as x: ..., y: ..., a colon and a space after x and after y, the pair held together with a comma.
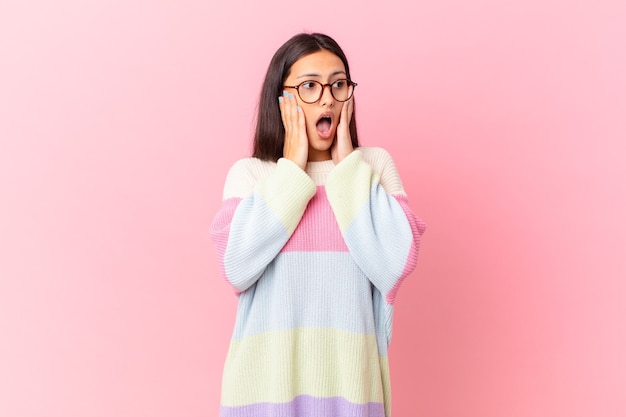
x: 296, y: 146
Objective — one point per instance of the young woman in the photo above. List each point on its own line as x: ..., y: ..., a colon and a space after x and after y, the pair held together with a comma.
x: 315, y: 235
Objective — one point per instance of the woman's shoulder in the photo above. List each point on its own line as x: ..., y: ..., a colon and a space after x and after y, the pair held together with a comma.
x: 252, y: 163
x: 373, y: 151
x: 381, y: 162
x: 244, y: 174
x: 252, y: 167
x: 377, y: 157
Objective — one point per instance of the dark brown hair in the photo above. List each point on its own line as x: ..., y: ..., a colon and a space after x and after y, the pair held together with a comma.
x: 269, y: 137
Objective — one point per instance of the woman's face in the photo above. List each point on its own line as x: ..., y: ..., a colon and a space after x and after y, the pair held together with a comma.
x: 325, y: 67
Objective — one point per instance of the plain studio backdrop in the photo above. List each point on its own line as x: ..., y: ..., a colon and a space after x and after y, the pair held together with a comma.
x: 120, y: 119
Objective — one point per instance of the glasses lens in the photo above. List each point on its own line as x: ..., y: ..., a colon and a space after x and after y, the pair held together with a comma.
x: 310, y: 91
x: 342, y: 90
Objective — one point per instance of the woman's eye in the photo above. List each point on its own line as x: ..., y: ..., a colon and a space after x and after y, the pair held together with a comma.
x: 339, y: 84
x: 307, y: 85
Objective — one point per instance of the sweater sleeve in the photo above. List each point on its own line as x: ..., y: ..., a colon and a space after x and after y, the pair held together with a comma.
x: 257, y: 219
x: 379, y: 228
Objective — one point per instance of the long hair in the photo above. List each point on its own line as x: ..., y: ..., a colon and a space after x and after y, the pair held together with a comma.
x: 269, y: 137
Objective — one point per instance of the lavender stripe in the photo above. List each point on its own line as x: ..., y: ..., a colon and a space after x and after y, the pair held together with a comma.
x: 307, y: 406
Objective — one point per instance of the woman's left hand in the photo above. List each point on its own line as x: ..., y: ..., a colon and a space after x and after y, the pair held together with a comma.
x: 342, y: 146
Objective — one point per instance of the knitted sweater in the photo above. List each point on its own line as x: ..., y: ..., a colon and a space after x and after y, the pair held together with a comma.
x: 315, y: 258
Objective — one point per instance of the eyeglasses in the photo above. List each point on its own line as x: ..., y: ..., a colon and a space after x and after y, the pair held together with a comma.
x: 311, y: 91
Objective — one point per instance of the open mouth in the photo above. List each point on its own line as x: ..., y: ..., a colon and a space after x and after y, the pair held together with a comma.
x: 324, y: 126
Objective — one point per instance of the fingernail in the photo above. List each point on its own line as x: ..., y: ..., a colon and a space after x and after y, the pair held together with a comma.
x: 290, y: 96
x: 298, y: 108
x: 280, y: 99
x: 285, y: 93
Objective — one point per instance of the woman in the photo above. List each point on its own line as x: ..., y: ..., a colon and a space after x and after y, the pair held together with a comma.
x: 315, y: 235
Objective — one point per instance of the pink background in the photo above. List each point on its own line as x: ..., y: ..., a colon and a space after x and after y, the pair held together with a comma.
x: 119, y: 120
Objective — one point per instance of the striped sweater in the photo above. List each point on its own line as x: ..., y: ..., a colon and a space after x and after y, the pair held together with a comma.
x: 316, y: 259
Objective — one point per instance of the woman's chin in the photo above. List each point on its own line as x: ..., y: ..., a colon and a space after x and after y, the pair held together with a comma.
x: 319, y: 150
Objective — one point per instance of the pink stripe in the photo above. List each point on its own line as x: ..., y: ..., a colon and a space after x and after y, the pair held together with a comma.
x: 220, y: 229
x: 418, y: 228
x: 318, y: 230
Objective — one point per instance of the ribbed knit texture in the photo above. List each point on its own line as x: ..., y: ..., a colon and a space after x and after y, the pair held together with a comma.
x: 316, y: 259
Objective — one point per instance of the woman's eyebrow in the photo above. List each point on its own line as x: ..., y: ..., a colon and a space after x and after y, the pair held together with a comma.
x: 317, y: 75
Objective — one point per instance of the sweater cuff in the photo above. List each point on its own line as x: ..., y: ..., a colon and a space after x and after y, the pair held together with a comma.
x: 348, y: 187
x: 287, y: 192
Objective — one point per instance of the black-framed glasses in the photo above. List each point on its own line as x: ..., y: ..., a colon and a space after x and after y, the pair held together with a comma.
x: 311, y: 91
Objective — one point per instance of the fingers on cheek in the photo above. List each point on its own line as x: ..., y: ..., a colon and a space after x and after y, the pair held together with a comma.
x: 281, y: 106
x: 293, y: 107
x: 287, y: 104
x: 287, y: 109
x: 301, y: 119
